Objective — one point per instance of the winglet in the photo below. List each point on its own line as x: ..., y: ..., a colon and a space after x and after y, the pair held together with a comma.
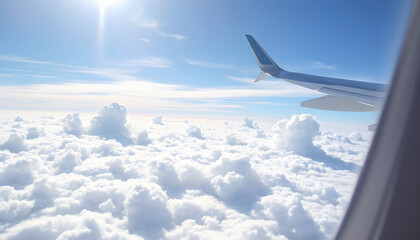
x: 261, y: 77
x: 264, y: 61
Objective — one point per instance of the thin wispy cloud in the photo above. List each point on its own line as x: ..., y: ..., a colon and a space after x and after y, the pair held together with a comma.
x: 207, y: 64
x: 120, y: 70
x: 110, y: 73
x: 6, y: 75
x: 24, y: 60
x: 41, y: 76
x: 144, y: 23
x: 136, y: 94
x: 316, y: 64
x: 146, y: 62
x: 171, y: 35
x: 239, y: 79
x: 20, y: 59
x: 156, y: 26
x: 266, y: 83
x: 149, y: 62
x: 144, y: 39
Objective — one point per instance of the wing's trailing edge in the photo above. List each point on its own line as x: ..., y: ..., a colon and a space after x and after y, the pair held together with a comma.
x: 343, y: 95
x: 333, y: 103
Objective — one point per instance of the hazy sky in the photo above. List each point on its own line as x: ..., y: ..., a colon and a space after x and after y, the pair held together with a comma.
x: 178, y: 57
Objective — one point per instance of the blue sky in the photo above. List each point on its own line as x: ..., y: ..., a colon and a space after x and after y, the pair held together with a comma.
x: 188, y: 56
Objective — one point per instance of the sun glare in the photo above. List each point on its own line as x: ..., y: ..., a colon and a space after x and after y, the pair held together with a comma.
x: 104, y: 3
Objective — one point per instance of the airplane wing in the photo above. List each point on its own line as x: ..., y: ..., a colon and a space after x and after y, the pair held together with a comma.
x: 342, y: 94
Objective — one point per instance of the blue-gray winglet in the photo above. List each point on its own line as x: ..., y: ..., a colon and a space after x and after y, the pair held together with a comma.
x: 264, y: 61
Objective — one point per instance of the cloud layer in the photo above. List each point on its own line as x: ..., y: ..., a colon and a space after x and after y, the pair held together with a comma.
x: 64, y: 178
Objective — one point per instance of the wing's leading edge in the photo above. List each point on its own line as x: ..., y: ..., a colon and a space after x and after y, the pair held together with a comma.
x: 265, y: 63
x: 349, y: 95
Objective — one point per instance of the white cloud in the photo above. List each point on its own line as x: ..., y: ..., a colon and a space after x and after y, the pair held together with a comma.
x: 14, y: 210
x: 316, y: 64
x: 242, y: 80
x: 297, y: 135
x: 171, y: 35
x: 134, y: 93
x: 15, y: 143
x: 237, y: 183
x: 233, y: 140
x: 194, y: 131
x: 18, y: 119
x: 147, y: 212
x: 17, y: 172
x: 250, y: 123
x: 87, y: 225
x: 41, y: 76
x: 33, y: 132
x: 144, y: 23
x: 23, y: 60
x: 149, y: 62
x: 143, y: 138
x: 154, y: 24
x: 88, y: 187
x: 207, y: 64
x: 111, y: 123
x: 73, y: 125
x: 67, y: 162
x: 260, y: 134
x: 292, y: 219
x: 196, y: 208
x: 355, y: 136
x: 157, y: 120
x: 167, y: 177
x: 125, y: 87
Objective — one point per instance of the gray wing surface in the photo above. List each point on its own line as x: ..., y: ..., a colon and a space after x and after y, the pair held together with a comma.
x: 343, y: 95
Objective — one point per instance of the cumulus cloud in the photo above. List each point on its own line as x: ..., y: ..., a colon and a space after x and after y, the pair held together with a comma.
x: 355, y: 136
x: 18, y: 173
x: 297, y: 134
x: 111, y: 123
x: 67, y: 162
x: 73, y: 125
x: 143, y: 138
x: 33, y: 132
x: 249, y: 123
x: 147, y: 211
x: 167, y: 176
x: 87, y: 225
x: 119, y: 171
x: 15, y: 143
x: 233, y: 140
x: 236, y: 183
x: 18, y: 119
x: 292, y: 219
x: 157, y: 120
x: 260, y: 134
x: 194, y: 131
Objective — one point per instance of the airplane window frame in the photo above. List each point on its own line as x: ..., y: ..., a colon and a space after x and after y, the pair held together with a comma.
x: 385, y: 203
